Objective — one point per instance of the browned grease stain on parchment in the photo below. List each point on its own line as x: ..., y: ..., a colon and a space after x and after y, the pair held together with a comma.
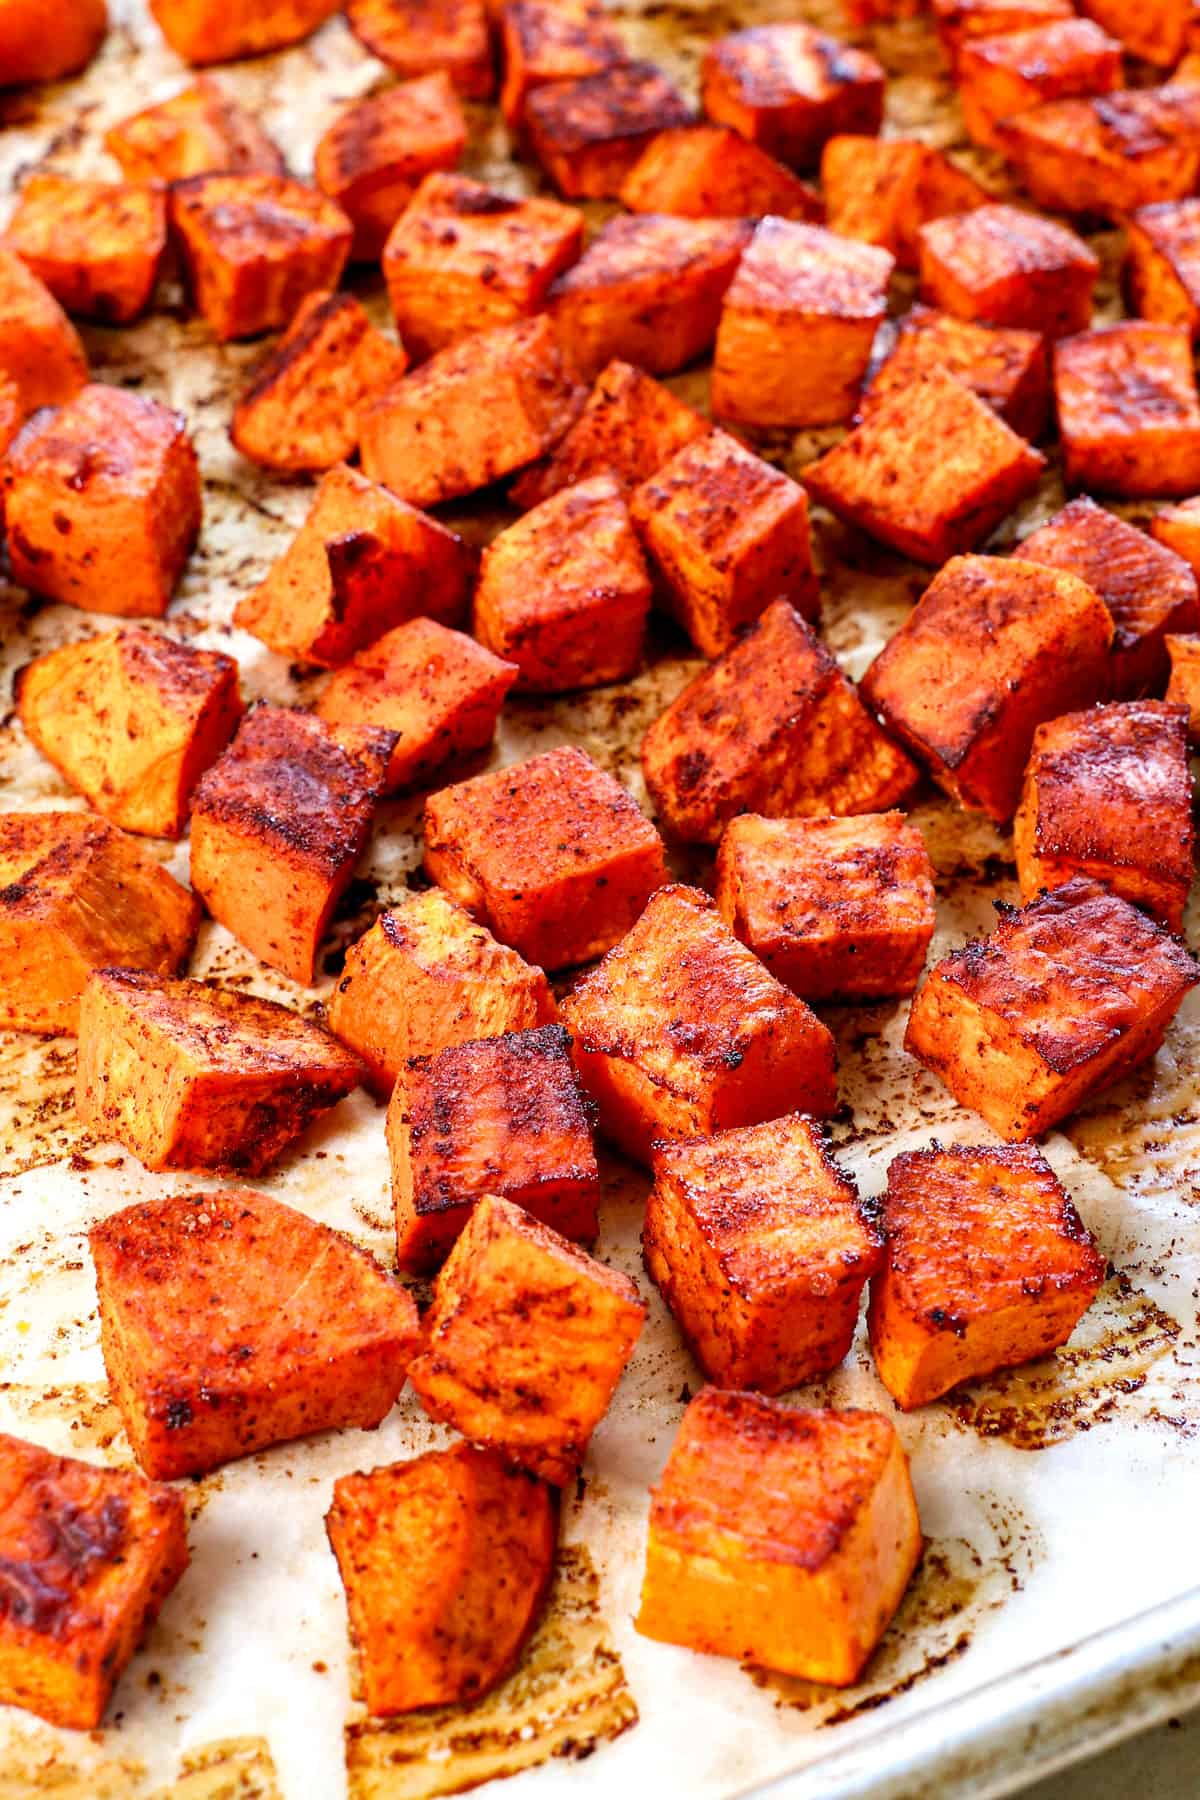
x: 236, y: 1769
x: 38, y: 1123
x: 87, y: 1409
x: 567, y: 1696
x: 233, y: 1769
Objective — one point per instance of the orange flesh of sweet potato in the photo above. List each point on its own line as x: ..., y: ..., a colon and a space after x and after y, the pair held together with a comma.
x: 1008, y: 369
x: 959, y: 22
x: 1183, y: 689
x: 1008, y: 267
x: 1178, y: 527
x: 789, y: 88
x: 883, y: 190
x: 1128, y: 412
x: 423, y: 37
x: 210, y: 31
x: 196, y: 132
x: 377, y: 152
x: 1158, y: 33
x: 1162, y: 265
x: 998, y: 77
x: 39, y: 347
x: 1109, y: 154
x: 31, y: 52
x: 552, y: 40
x: 709, y: 171
x: 588, y: 134
x: 97, y: 245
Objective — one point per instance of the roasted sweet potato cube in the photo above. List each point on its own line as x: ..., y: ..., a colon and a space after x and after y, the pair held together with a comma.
x: 1008, y: 267
x: 773, y: 728
x: 278, y: 824
x: 1128, y: 412
x: 797, y: 326
x: 362, y: 563
x: 994, y: 646
x: 553, y: 40
x: 833, y: 906
x: 1064, y: 998
x: 1158, y: 34
x: 31, y: 52
x: 471, y: 414
x: 882, y: 190
x: 12, y: 412
x: 189, y: 1076
x: 1109, y: 154
x: 647, y: 290
x: 782, y: 1537
x: 197, y: 131
x: 498, y: 1115
x: 998, y: 77
x: 681, y: 1032
x: 1108, y: 795
x: 964, y: 21
x: 525, y: 1341
x: 102, y: 502
x: 89, y: 1555
x: 1147, y: 589
x: 729, y: 536
x: 789, y: 88
x: 438, y: 691
x: 708, y: 172
x: 629, y: 427
x: 931, y: 470
x: 132, y: 719
x: 758, y: 1243
x: 255, y: 246
x: 426, y: 976
x: 97, y: 245
x: 300, y: 409
x: 378, y: 151
x: 987, y: 1264
x: 211, y: 31
x: 1162, y: 265
x: 564, y: 593
x: 75, y: 895
x: 464, y: 258
x: 1008, y: 369
x: 588, y: 134
x: 421, y: 37
x: 446, y: 1560
x: 40, y: 349
x: 553, y: 855
x: 1183, y: 689
x: 230, y: 1322
x: 1178, y: 527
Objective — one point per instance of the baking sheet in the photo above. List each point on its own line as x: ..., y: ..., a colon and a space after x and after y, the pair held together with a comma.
x: 1058, y: 1500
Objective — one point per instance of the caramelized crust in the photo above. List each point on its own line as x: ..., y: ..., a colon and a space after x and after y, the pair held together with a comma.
x: 1008, y: 369
x: 789, y: 88
x: 1162, y: 263
x: 376, y: 153
x: 960, y: 22
x: 1110, y: 154
x: 40, y: 351
x: 421, y: 37
x: 999, y: 77
x: 588, y: 134
x: 211, y: 31
x: 709, y: 172
x: 97, y: 245
x: 545, y: 41
x: 1008, y: 267
x: 29, y: 52
x: 1128, y: 413
x: 882, y: 190
x: 1158, y: 34
x: 198, y: 131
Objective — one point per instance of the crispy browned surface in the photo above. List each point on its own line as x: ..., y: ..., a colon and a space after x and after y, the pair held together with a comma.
x: 189, y: 1076
x: 774, y: 727
x: 1063, y: 998
x: 210, y: 31
x: 40, y: 349
x: 1006, y: 266
x: 1158, y: 33
x: 883, y: 190
x: 962, y: 21
x: 1162, y: 264
x: 1128, y: 413
x: 377, y: 151
x: 420, y: 37
x: 230, y: 1322
x: 445, y: 1560
x: 759, y: 1245
x: 89, y: 1556
x: 998, y: 77
x: 132, y: 719
x: 525, y: 1341
x: 1109, y: 154
x: 709, y: 171
x: 498, y: 1115
x: 31, y: 52
x: 1183, y: 689
x: 197, y: 131
x: 588, y: 134
x: 97, y: 245
x: 789, y: 88
x: 1009, y: 369
x: 681, y: 1031
x: 553, y: 40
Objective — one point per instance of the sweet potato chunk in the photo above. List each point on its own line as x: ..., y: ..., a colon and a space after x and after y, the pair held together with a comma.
x: 758, y: 1244
x: 422, y: 37
x: 1008, y: 267
x: 278, y: 824
x: 1178, y: 527
x: 300, y: 409
x: 230, y: 1322
x: 427, y: 976
x: 464, y: 258
x: 1147, y: 589
x: 648, y: 290
x: 1128, y: 412
x: 12, y: 412
x: 40, y: 349
x: 773, y: 728
x: 553, y: 40
x: 132, y: 719
x: 797, y: 326
x: 378, y: 151
x: 999, y: 77
x: 446, y: 1560
x: 564, y: 593
x: 994, y: 646
x: 1162, y: 265
x: 783, y: 1537
x: 102, y: 503
x: 1183, y: 689
x: 681, y: 1032
x: 197, y: 131
x: 729, y: 536
x: 255, y: 246
x: 709, y: 172
x: 89, y: 1556
x: 498, y: 1115
x: 477, y: 411
x: 1158, y: 33
x: 960, y: 22
x: 987, y: 1264
x: 1063, y: 999
x: 525, y: 1341
x: 438, y: 691
x: 30, y: 51
x: 1009, y: 369
x: 882, y: 190
x: 1108, y: 795
x: 97, y: 245
x: 362, y: 563
x: 77, y: 895
x: 189, y: 1076
x: 1109, y: 154
x: 789, y: 88
x: 588, y: 134
x: 552, y: 854
x: 931, y: 470
x: 833, y: 906
x: 211, y: 31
